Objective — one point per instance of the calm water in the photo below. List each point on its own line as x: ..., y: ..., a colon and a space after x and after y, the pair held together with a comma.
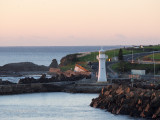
x: 42, y: 55
x: 53, y: 106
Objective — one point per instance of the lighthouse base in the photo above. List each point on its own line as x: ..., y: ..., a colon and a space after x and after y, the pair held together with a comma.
x: 102, y: 80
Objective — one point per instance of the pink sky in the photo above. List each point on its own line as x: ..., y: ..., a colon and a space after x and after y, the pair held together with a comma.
x: 79, y: 22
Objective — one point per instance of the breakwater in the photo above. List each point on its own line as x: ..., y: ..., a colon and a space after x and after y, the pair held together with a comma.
x: 122, y: 99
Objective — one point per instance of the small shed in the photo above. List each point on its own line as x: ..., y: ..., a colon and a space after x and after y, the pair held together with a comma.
x: 138, y: 72
x: 79, y: 68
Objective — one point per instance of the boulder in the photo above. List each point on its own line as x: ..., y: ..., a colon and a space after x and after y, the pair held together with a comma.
x: 127, y: 100
x: 56, y: 78
x: 54, y: 64
x: 6, y: 82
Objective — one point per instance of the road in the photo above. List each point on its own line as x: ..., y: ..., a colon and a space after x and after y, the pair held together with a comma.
x: 112, y: 73
x: 137, y: 55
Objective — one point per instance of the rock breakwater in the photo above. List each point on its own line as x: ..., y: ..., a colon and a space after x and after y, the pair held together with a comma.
x: 122, y: 99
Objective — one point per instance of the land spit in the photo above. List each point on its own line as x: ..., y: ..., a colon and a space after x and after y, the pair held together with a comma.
x: 69, y: 86
x: 63, y: 82
x: 78, y: 83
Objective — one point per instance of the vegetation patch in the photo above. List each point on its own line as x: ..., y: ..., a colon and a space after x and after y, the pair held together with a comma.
x: 68, y: 62
x: 153, y: 48
x: 91, y: 57
x: 150, y: 57
x: 67, y: 67
x: 122, y: 67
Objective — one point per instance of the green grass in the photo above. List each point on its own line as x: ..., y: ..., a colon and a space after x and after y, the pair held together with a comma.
x: 156, y: 56
x: 128, y: 66
x: 115, y: 67
x: 91, y: 57
x: 111, y: 53
x: 155, y: 47
x: 67, y: 67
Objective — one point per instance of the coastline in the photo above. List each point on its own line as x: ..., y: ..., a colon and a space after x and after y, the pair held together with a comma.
x: 77, y: 84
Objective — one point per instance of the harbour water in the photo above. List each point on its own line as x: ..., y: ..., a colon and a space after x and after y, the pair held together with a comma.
x: 53, y: 106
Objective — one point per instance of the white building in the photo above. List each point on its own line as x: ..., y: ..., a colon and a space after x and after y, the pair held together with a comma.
x: 138, y: 72
x: 102, y: 66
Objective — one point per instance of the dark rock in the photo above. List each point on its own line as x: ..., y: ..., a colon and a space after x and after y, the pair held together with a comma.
x: 23, y: 66
x: 0, y: 81
x: 69, y: 59
x: 61, y: 77
x: 29, y: 88
x: 54, y: 64
x: 56, y: 78
x: 43, y: 76
x: 27, y: 81
x: 127, y: 100
x: 6, y: 82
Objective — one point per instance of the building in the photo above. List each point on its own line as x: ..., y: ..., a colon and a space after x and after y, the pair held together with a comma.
x: 141, y: 46
x: 102, y: 66
x: 138, y: 72
x: 79, y: 68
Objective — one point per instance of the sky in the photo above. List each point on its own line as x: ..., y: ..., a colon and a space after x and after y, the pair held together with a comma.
x: 79, y: 22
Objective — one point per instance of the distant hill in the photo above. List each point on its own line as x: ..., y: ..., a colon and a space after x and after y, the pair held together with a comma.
x: 23, y: 66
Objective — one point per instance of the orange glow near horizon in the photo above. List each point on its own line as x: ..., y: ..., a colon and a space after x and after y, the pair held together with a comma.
x: 79, y: 22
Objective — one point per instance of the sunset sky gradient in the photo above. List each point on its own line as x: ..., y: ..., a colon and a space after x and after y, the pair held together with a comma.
x: 79, y: 22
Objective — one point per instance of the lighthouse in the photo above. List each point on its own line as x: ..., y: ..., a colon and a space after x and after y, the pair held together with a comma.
x: 102, y: 66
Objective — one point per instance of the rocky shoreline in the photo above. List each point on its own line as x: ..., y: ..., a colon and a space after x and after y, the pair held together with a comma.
x: 64, y: 82
x: 126, y: 100
x: 69, y: 86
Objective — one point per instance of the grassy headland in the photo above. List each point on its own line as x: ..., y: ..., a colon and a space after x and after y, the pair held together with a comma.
x: 114, y: 53
x: 92, y: 57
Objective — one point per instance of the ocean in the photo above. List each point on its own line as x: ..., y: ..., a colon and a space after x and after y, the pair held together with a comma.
x: 43, y: 55
x: 53, y: 106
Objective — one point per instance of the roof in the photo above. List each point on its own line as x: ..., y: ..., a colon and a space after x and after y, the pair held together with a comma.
x: 82, y: 68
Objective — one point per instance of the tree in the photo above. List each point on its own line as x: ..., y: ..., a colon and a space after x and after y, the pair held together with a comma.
x: 120, y: 55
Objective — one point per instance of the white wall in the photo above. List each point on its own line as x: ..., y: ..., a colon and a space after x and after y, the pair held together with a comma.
x: 138, y: 72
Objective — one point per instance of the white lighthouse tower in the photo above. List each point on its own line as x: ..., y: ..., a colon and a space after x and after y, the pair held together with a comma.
x: 102, y: 66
